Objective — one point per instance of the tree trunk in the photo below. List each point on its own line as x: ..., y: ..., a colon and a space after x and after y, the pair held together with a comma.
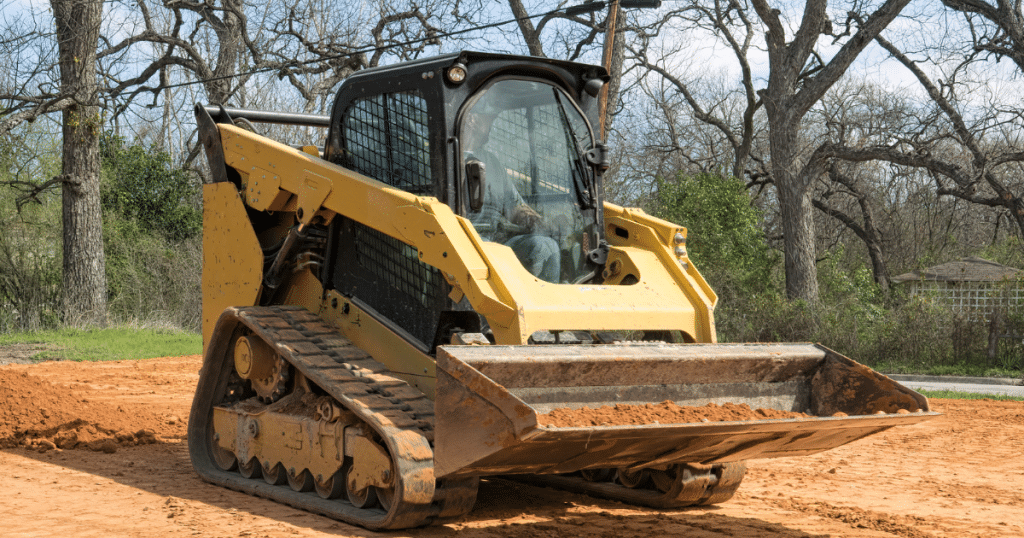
x: 798, y: 229
x: 868, y: 232
x: 796, y: 206
x: 790, y: 94
x: 873, y: 242
x: 84, y: 279
x: 230, y: 44
x: 526, y: 28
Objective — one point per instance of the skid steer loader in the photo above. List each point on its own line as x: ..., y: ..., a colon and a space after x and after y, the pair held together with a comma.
x: 387, y: 318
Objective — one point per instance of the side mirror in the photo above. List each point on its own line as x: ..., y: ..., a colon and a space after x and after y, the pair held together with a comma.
x: 476, y: 172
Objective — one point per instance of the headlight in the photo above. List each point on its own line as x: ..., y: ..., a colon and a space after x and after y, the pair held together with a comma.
x: 456, y: 74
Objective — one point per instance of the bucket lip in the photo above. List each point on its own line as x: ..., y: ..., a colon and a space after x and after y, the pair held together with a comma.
x: 696, y: 429
x: 633, y: 350
x: 894, y: 418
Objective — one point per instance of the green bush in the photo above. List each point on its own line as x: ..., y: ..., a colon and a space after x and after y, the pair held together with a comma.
x: 30, y: 265
x: 725, y: 237
x: 30, y: 242
x: 151, y: 279
x: 895, y: 334
x: 142, y: 184
x: 151, y: 235
x: 152, y: 240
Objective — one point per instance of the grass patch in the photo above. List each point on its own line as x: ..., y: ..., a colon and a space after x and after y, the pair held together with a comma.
x: 960, y: 370
x: 954, y: 395
x: 118, y: 343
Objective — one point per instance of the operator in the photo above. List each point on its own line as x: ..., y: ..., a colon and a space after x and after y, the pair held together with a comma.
x: 505, y: 217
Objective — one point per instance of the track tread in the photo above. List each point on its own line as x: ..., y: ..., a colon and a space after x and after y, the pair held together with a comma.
x: 716, y: 488
x: 387, y: 404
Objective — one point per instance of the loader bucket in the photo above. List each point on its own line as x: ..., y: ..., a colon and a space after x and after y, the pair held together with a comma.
x: 489, y: 398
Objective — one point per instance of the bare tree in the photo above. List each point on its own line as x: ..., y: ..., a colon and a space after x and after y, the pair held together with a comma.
x: 29, y: 82
x: 84, y: 279
x: 572, y: 34
x: 997, y: 28
x: 976, y: 160
x: 207, y: 39
x: 729, y: 22
x: 979, y: 180
x: 856, y: 195
x: 865, y: 227
x: 288, y: 55
x: 293, y: 42
x: 798, y: 78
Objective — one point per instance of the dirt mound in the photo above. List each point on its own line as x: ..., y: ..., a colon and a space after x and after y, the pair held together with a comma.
x: 39, y: 414
x: 666, y: 412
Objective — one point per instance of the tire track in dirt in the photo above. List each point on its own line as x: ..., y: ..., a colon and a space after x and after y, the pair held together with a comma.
x: 902, y: 526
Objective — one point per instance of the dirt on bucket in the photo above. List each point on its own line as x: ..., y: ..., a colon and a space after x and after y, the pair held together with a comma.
x: 667, y: 412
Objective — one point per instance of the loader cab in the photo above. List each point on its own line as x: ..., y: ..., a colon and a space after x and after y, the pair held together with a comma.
x: 523, y: 145
x: 505, y: 141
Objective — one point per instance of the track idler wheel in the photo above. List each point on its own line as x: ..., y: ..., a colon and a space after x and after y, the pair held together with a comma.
x: 703, y: 485
x: 302, y: 481
x: 633, y: 479
x: 363, y: 497
x: 370, y: 477
x: 274, y: 475
x: 386, y: 497
x: 730, y: 475
x: 331, y: 487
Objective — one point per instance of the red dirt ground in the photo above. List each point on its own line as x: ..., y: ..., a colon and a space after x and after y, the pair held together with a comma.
x: 129, y: 475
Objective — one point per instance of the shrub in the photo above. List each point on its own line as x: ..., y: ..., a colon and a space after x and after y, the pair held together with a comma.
x: 30, y: 267
x: 152, y: 228
x: 151, y: 279
x: 141, y: 184
x: 725, y: 239
x: 151, y: 240
x: 898, y: 334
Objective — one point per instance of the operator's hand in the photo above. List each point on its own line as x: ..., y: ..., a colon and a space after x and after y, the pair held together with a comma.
x: 525, y: 216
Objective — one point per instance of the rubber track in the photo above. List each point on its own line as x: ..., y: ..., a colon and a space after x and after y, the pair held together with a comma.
x: 400, y: 414
x: 720, y: 488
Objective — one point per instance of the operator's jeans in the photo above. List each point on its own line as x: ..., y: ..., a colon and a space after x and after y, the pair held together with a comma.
x: 539, y: 254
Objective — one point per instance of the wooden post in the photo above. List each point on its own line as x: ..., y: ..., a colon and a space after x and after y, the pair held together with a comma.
x: 993, y: 334
x: 609, y: 45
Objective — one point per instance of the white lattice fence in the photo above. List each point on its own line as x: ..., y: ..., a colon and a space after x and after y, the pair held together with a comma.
x: 975, y: 300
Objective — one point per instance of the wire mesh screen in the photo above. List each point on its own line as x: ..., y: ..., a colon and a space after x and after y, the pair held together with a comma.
x: 533, y: 143
x: 406, y: 290
x: 386, y: 138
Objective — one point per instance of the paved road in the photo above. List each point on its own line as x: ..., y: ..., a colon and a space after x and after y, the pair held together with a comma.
x: 1009, y: 390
